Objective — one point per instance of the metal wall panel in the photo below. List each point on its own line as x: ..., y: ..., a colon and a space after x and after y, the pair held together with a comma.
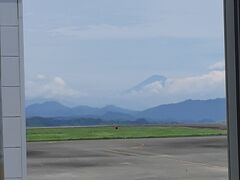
x: 12, y: 138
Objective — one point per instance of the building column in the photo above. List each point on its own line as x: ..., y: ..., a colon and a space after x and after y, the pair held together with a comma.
x: 12, y: 90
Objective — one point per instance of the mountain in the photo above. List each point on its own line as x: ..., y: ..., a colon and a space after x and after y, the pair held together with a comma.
x: 48, y: 109
x: 152, y: 79
x: 117, y: 116
x: 38, y: 100
x: 188, y: 111
x: 84, y: 111
x: 55, y: 109
x: 115, y: 109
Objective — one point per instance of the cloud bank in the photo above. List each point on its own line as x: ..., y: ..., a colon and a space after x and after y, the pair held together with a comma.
x: 50, y: 87
x: 203, y: 86
x: 217, y: 66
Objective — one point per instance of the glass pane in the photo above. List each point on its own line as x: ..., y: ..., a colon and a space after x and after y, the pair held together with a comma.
x: 130, y: 89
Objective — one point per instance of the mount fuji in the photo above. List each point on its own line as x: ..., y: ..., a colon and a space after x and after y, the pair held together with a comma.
x: 147, y: 82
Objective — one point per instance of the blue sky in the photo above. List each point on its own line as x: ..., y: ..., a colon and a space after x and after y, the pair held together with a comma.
x: 89, y: 51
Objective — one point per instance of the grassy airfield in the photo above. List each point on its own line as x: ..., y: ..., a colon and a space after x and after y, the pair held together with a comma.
x: 122, y: 132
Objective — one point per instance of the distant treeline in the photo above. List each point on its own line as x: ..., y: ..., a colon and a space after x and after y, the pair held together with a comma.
x: 58, y: 121
x: 82, y: 121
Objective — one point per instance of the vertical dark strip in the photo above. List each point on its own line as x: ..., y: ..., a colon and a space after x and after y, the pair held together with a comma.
x: 232, y: 52
x: 1, y: 117
x: 237, y: 65
x: 227, y: 83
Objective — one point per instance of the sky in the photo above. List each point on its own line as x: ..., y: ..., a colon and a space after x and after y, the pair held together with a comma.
x: 88, y: 52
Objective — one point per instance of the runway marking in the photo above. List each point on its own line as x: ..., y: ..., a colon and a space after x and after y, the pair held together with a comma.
x: 121, y: 152
x: 170, y: 157
x: 221, y: 168
x: 129, y: 152
x: 125, y: 163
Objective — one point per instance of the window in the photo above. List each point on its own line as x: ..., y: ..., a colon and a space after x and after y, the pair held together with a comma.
x: 126, y: 60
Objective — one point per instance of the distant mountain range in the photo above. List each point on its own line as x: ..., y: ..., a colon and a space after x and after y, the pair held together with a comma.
x: 55, y: 109
x: 189, y: 111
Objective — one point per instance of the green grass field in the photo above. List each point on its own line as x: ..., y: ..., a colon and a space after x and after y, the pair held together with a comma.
x: 124, y: 132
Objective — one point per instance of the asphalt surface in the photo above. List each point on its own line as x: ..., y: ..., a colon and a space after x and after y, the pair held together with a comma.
x: 195, y: 158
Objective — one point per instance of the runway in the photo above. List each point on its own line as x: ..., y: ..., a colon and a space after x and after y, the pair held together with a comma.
x: 192, y: 158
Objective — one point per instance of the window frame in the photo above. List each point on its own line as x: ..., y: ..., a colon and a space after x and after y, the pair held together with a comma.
x: 232, y: 58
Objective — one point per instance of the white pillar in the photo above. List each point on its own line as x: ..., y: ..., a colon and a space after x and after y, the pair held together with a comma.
x: 12, y: 89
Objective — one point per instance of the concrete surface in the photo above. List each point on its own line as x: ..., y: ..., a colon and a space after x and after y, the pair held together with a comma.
x: 198, y: 158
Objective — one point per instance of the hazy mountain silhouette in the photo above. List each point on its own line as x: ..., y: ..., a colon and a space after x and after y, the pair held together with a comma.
x: 55, y: 109
x: 189, y: 111
x: 48, y: 109
x: 152, y: 79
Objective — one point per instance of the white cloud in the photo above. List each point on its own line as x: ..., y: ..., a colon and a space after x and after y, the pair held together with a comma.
x: 217, y: 66
x: 204, y: 86
x: 59, y: 81
x: 154, y: 87
x: 41, y: 77
x: 207, y: 83
x: 50, y: 87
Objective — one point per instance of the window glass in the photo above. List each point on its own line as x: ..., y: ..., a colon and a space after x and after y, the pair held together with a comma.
x: 130, y: 89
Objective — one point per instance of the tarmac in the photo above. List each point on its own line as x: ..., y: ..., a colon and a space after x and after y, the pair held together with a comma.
x: 192, y: 158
